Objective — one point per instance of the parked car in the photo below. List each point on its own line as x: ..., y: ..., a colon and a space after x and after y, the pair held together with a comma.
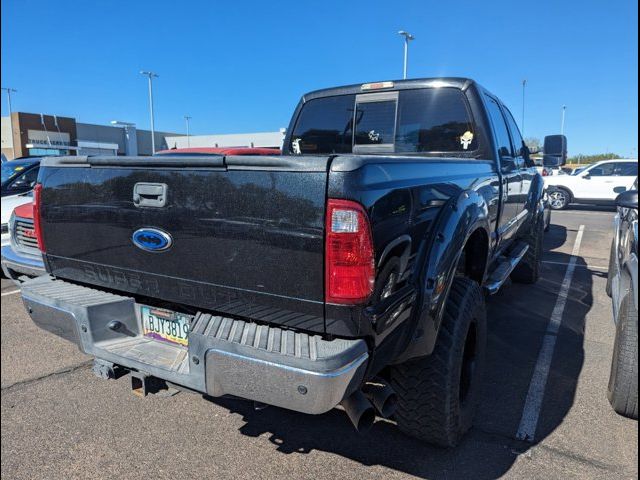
x: 8, y: 205
x: 19, y: 176
x: 349, y: 270
x: 544, y: 171
x: 622, y: 287
x: 22, y: 259
x: 597, y: 184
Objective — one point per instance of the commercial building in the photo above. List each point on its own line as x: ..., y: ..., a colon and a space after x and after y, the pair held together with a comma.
x: 33, y: 134
x: 259, y: 139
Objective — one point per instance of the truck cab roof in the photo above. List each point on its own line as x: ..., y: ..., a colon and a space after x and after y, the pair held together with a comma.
x: 391, y: 85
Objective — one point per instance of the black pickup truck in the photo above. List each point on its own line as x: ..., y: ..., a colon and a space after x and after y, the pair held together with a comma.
x: 352, y: 269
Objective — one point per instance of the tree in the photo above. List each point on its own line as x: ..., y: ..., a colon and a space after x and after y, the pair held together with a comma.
x: 586, y: 159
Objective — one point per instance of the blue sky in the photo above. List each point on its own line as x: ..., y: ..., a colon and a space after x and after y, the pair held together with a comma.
x: 242, y: 66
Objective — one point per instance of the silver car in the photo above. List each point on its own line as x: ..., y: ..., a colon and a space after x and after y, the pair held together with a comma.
x: 622, y: 287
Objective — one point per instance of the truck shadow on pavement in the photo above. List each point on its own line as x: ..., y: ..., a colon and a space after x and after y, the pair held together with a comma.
x: 518, y: 319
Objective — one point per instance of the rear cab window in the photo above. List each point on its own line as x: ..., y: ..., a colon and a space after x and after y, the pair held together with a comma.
x: 434, y: 120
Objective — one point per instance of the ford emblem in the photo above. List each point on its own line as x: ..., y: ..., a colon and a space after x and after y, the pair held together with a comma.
x: 152, y: 239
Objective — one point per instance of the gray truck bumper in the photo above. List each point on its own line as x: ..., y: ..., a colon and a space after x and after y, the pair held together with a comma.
x: 225, y: 356
x: 15, y: 265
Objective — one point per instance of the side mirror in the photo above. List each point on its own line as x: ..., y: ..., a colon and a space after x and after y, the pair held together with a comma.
x: 556, y: 146
x: 628, y: 199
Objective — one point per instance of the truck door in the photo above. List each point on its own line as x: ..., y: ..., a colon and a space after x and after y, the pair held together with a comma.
x: 527, y: 172
x: 511, y: 173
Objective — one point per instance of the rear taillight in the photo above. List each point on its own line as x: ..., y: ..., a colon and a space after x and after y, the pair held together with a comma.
x: 37, y: 223
x: 349, y: 261
x: 545, y: 173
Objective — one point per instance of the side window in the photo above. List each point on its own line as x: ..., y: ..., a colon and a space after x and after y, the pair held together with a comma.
x: 626, y: 169
x: 503, y: 140
x: 515, y: 134
x: 25, y: 181
x: 604, y: 170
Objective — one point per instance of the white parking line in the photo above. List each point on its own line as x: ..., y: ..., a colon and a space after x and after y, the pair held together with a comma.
x: 533, y: 404
x: 595, y: 267
x: 12, y: 292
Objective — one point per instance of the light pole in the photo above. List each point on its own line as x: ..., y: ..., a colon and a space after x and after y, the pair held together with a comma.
x: 9, y: 92
x: 186, y: 119
x: 407, y: 37
x: 151, y: 76
x: 524, y: 86
x: 564, y: 111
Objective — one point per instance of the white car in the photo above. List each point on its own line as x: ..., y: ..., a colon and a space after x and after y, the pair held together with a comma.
x: 8, y: 204
x: 597, y: 184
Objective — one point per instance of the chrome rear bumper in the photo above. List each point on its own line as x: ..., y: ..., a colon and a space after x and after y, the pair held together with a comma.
x: 225, y: 356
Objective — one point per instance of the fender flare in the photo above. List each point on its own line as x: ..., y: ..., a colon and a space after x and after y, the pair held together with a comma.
x: 458, y: 220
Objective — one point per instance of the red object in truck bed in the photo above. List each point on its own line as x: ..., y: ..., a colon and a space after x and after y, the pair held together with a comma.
x: 222, y: 151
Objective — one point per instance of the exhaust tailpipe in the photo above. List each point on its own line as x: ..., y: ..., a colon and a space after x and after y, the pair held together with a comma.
x: 360, y: 411
x: 382, y: 396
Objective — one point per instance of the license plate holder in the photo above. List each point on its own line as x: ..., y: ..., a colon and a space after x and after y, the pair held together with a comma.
x: 165, y: 325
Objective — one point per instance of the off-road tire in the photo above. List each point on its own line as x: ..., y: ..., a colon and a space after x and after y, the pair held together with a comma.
x: 429, y: 389
x: 528, y: 270
x: 623, y: 381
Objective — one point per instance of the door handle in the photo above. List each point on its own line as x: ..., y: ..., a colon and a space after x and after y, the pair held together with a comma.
x: 150, y: 194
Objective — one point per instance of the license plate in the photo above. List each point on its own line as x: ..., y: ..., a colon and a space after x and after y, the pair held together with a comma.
x: 165, y: 325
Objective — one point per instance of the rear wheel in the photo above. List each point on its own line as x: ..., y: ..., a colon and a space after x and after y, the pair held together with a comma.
x: 559, y: 199
x: 438, y: 394
x: 623, y: 381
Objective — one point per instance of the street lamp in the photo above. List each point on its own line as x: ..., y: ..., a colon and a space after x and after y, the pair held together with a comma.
x: 9, y: 92
x: 564, y: 111
x: 407, y: 37
x: 151, y: 76
x: 186, y: 119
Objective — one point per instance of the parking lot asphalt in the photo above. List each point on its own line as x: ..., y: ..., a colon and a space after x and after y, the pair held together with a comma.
x: 59, y: 421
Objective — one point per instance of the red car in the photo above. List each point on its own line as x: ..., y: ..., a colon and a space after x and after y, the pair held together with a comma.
x: 220, y: 151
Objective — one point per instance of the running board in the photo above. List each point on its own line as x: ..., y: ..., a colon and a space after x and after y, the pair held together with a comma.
x: 504, y: 269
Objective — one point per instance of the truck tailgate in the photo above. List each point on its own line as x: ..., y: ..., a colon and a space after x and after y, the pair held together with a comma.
x: 245, y: 233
